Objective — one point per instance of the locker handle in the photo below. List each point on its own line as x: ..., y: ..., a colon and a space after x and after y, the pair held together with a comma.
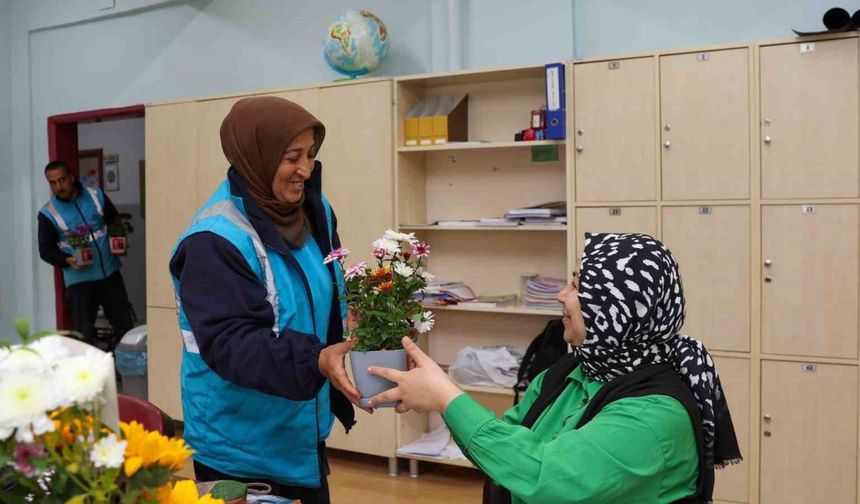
x: 767, y: 418
x: 768, y: 279
x: 579, y: 148
x: 768, y: 139
x: 768, y: 263
x: 667, y: 144
x: 767, y: 433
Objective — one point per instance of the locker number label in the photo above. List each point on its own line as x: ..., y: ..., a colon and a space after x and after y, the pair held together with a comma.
x: 807, y: 209
x: 807, y: 47
x: 809, y: 367
x: 705, y: 210
x: 703, y: 56
x: 614, y: 65
x: 615, y: 211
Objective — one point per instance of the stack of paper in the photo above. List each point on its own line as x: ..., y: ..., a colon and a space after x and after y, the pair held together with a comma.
x: 553, y: 213
x: 438, y: 443
x: 443, y: 293
x: 541, y: 292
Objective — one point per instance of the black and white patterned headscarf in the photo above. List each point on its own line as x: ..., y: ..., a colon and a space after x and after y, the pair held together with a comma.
x: 632, y: 301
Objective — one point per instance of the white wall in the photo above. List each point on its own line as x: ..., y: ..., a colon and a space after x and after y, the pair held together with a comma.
x: 7, y: 280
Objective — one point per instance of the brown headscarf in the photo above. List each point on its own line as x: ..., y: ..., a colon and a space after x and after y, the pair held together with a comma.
x: 254, y: 136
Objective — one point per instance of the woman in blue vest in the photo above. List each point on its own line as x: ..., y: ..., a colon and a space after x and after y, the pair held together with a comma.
x: 635, y: 414
x: 261, y: 323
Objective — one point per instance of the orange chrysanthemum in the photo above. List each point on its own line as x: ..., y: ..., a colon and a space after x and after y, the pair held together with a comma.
x: 380, y: 274
x: 385, y: 287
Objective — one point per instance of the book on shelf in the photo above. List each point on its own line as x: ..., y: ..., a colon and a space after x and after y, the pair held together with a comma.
x: 443, y: 293
x: 549, y: 209
x: 541, y: 292
x: 498, y: 222
x: 457, y: 223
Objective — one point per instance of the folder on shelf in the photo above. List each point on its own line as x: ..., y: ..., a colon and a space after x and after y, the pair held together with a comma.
x: 555, y: 129
x: 436, y: 120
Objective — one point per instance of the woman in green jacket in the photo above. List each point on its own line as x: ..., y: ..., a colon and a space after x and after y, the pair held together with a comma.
x: 635, y: 413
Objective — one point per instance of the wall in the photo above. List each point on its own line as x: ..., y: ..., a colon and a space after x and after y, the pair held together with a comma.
x: 125, y: 137
x: 7, y: 280
x: 605, y: 27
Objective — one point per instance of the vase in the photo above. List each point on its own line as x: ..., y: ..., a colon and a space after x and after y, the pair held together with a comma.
x: 83, y: 256
x: 370, y: 385
x: 118, y: 245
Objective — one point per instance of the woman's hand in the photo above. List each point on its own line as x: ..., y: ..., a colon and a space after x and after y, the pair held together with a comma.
x: 425, y: 387
x: 331, y: 365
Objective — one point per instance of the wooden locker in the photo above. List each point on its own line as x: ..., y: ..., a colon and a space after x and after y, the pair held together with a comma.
x: 309, y: 98
x: 808, y: 433
x: 733, y: 482
x: 809, y: 280
x: 357, y: 162
x: 613, y: 220
x: 164, y: 349
x: 211, y: 164
x: 712, y: 246
x: 809, y: 120
x: 705, y: 125
x: 614, y: 130
x: 171, y: 191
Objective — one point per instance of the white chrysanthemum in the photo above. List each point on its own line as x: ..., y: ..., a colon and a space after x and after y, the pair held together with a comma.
x: 389, y: 246
x: 424, y: 322
x: 426, y: 275
x: 37, y: 357
x: 404, y: 269
x: 108, y: 452
x: 400, y: 237
x: 25, y: 399
x: 83, y: 377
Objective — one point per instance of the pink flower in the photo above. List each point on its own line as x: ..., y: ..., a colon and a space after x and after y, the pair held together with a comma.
x: 336, y: 255
x: 421, y: 249
x: 23, y: 454
x: 357, y: 270
x: 379, y: 252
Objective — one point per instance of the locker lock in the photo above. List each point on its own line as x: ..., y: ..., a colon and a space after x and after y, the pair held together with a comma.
x: 768, y: 263
x: 767, y: 433
x: 768, y: 279
x: 767, y: 418
x: 768, y: 139
x: 579, y: 148
x: 667, y: 144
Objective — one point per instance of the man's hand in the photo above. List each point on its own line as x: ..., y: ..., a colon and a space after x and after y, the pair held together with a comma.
x: 331, y: 365
x: 71, y: 261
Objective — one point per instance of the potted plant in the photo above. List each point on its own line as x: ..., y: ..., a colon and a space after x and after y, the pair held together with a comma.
x: 385, y: 300
x: 79, y: 239
x: 118, y: 232
x: 58, y: 444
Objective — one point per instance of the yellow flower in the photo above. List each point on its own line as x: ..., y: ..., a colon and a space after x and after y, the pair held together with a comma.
x: 146, y: 448
x: 184, y: 492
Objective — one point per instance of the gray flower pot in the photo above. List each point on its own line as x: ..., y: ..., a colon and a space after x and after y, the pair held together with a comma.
x: 370, y: 385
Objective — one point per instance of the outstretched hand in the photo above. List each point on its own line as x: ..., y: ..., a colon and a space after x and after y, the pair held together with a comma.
x: 425, y: 387
x: 331, y: 363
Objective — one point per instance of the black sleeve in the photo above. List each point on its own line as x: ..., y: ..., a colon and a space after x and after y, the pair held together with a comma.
x: 48, y: 238
x: 110, y: 211
x: 225, y: 303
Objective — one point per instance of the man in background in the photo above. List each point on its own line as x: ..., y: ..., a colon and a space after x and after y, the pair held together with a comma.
x: 75, y: 209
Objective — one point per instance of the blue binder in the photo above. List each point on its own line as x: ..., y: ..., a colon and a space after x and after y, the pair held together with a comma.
x: 554, y: 73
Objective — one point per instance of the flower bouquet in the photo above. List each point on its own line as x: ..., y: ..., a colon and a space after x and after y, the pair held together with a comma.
x: 59, y: 442
x: 118, y: 232
x: 386, y: 305
x: 79, y: 239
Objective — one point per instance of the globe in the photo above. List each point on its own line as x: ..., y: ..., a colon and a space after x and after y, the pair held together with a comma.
x: 356, y: 43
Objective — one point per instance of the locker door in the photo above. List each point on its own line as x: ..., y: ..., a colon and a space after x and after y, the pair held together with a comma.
x: 614, y: 116
x: 705, y: 105
x: 171, y: 166
x: 712, y: 246
x: 808, y: 433
x: 809, y: 120
x: 809, y: 280
x: 211, y: 163
x: 614, y: 220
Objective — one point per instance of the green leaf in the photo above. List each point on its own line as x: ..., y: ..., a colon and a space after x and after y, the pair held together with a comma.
x: 22, y: 326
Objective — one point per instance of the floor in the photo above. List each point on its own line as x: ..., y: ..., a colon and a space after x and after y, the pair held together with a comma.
x: 363, y: 479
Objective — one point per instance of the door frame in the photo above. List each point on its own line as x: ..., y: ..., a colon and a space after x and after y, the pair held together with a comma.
x: 63, y: 144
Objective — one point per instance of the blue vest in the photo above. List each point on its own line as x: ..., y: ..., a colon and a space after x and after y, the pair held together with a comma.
x: 237, y: 430
x: 86, y: 210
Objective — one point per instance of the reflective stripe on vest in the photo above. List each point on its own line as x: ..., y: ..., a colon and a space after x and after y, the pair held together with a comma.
x: 95, y: 196
x: 57, y: 217
x: 229, y: 211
